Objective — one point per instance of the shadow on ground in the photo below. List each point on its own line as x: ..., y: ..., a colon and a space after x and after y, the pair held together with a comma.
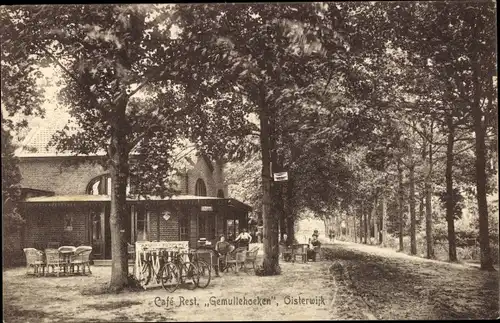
x: 393, y: 287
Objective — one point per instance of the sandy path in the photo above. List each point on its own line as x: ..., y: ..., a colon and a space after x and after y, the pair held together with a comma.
x: 52, y: 299
x: 358, y: 282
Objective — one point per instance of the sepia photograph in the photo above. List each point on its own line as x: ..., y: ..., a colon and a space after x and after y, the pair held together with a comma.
x: 284, y: 161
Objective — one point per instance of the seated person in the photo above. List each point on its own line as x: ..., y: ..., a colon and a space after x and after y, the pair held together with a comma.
x: 313, y: 242
x: 222, y: 248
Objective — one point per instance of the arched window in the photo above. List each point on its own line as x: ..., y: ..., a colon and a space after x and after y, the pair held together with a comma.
x: 101, y: 185
x: 220, y: 193
x: 200, y: 189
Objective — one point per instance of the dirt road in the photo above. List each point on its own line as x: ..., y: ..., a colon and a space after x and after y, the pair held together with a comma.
x: 355, y: 282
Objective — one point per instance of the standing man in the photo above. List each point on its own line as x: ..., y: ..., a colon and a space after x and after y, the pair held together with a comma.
x: 244, y: 239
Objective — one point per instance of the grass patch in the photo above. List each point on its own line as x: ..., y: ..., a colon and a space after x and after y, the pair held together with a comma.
x: 15, y: 314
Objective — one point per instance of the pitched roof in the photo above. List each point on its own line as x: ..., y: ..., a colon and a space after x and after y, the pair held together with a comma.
x: 36, y: 144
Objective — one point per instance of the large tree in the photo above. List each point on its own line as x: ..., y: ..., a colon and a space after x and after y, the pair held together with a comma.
x: 271, y: 55
x: 107, y: 55
x: 434, y: 34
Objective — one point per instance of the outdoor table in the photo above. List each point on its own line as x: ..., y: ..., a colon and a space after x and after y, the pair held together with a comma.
x: 300, y: 249
x: 66, y: 253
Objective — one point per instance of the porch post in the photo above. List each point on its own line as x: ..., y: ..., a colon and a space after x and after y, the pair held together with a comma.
x: 158, y: 225
x: 132, y: 224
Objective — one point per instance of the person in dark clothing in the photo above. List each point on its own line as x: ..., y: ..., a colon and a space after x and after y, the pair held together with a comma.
x: 222, y: 247
x: 313, y: 243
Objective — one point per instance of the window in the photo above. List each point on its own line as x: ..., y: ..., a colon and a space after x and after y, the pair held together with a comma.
x: 200, y: 189
x: 206, y: 226
x: 96, y: 227
x: 184, y: 228
x: 68, y: 222
x: 220, y: 193
x: 100, y: 185
x: 142, y: 226
x: 232, y: 229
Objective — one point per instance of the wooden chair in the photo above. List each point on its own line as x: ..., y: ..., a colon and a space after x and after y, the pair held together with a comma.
x: 81, y: 257
x: 55, y: 260
x: 251, y: 257
x: 300, y: 250
x: 224, y: 249
x: 317, y: 253
x: 286, y: 251
x: 236, y: 259
x: 34, y: 259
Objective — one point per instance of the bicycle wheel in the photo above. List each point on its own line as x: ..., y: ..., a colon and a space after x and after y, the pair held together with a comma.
x: 170, y: 277
x: 146, y: 273
x: 222, y: 266
x: 189, y: 275
x: 204, y: 274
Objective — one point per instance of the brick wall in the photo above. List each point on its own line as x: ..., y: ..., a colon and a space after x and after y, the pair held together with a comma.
x: 46, y: 224
x: 213, y: 180
x: 169, y: 230
x: 51, y: 174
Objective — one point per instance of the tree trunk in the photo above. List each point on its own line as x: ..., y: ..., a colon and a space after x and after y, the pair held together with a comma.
x: 290, y: 227
x: 428, y: 204
x: 270, y: 221
x: 326, y: 224
x: 481, y: 179
x: 290, y: 218
x: 452, y: 247
x: 365, y: 235
x: 400, y: 205
x: 338, y: 220
x: 361, y: 226
x: 354, y: 216
x: 277, y: 201
x: 281, y: 213
x: 375, y: 222
x: 413, y: 238
x: 421, y: 204
x: 384, y: 218
x: 369, y: 225
x: 422, y: 192
x: 119, y: 171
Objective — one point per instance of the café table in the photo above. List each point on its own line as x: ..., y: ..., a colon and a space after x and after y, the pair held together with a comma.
x: 66, y: 253
x: 300, y: 249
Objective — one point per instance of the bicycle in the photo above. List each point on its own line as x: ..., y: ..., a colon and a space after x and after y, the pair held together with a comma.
x: 167, y: 274
x: 188, y: 272
x: 204, y: 270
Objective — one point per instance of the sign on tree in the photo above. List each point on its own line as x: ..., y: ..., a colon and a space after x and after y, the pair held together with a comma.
x: 280, y: 177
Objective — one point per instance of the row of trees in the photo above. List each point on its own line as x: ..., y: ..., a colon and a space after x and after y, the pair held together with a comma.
x: 412, y: 129
x: 324, y: 80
